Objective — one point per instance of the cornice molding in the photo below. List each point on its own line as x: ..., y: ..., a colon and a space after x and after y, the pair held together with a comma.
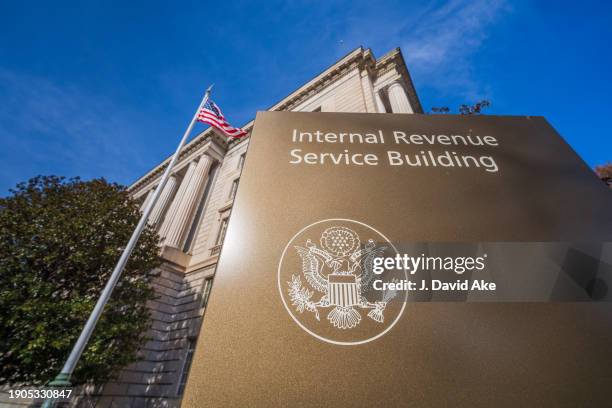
x: 395, y: 60
x: 333, y: 75
x: 218, y: 143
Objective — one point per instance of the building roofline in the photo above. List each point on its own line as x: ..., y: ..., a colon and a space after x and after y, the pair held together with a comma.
x: 321, y: 80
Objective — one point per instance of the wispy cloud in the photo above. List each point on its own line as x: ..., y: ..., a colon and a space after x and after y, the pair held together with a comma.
x: 62, y: 129
x: 442, y: 42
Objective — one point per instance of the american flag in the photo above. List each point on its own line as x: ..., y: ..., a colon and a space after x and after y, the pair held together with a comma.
x: 211, y: 114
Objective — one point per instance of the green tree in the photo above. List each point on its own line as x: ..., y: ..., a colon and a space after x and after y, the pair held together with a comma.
x: 59, y: 242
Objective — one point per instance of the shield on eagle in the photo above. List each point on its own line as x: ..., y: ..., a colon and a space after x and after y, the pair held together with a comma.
x: 343, y: 290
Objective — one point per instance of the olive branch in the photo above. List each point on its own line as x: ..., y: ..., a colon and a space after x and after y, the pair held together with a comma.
x: 300, y: 296
x: 377, y: 313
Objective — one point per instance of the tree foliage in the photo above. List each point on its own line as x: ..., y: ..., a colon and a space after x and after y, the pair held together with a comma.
x: 475, y: 109
x: 464, y: 109
x: 604, y: 172
x: 59, y: 242
x: 440, y: 109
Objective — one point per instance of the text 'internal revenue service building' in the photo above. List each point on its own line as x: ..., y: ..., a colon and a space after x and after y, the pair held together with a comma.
x: 397, y: 260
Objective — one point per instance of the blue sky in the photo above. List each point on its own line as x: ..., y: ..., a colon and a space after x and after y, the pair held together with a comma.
x: 97, y: 88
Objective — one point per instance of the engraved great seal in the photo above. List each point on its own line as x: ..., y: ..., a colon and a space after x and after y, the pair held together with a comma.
x: 325, y: 280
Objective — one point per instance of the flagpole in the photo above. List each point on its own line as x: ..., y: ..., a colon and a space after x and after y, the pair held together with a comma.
x: 63, y: 378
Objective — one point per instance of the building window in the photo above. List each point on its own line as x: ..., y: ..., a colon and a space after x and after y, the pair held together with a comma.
x: 186, y: 365
x: 206, y: 287
x: 241, y: 161
x: 221, y: 234
x: 234, y: 189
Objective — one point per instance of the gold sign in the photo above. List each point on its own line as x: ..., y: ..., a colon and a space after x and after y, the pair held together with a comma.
x: 328, y: 200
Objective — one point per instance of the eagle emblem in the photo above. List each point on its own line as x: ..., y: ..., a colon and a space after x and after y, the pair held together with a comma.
x: 341, y: 269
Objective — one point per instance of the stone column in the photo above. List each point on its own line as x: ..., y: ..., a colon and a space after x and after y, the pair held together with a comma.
x: 188, y: 202
x: 398, y: 99
x: 147, y: 200
x: 379, y: 103
x: 165, y: 226
x: 163, y: 200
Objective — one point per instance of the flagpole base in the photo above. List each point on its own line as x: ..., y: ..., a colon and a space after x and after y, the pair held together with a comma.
x: 62, y: 380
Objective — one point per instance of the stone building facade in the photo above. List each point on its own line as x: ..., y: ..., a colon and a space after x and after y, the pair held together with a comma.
x: 193, y: 210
